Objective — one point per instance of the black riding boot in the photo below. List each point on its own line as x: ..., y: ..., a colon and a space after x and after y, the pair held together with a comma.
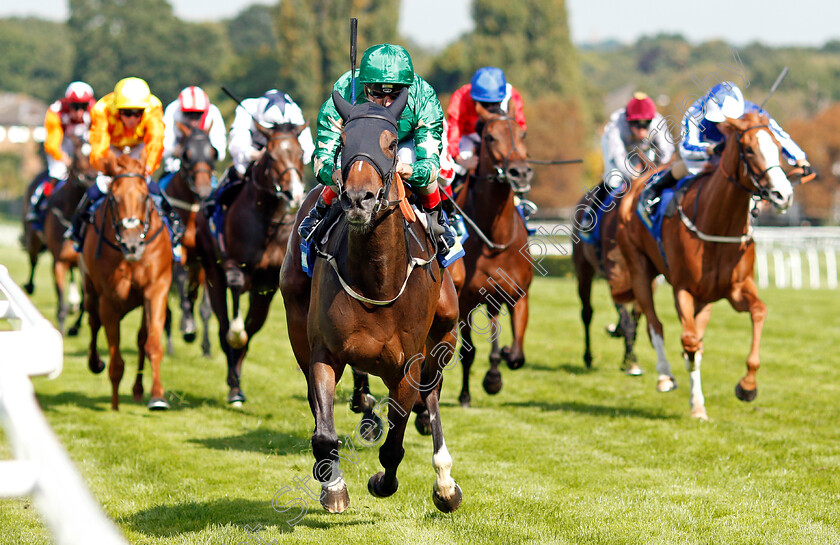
x: 315, y: 216
x: 74, y: 233
x: 221, y: 195
x: 449, y: 248
x: 654, y: 189
x: 172, y: 216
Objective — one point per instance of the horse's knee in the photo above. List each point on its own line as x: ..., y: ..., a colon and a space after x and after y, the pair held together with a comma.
x: 324, y: 444
x: 391, y: 458
x: 691, y: 342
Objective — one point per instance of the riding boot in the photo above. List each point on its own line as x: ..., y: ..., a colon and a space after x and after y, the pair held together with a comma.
x: 311, y: 221
x: 165, y: 209
x: 449, y: 248
x: 33, y: 215
x: 655, y: 188
x: 80, y: 216
x: 221, y: 194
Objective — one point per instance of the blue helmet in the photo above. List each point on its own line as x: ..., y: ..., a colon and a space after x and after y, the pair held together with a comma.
x: 488, y: 85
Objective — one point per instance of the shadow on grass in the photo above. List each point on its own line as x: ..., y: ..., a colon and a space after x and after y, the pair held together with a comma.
x: 79, y: 399
x: 262, y: 440
x: 568, y: 368
x: 250, y: 515
x: 595, y: 410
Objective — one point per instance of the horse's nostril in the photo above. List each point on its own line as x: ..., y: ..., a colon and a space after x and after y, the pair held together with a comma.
x: 368, y: 196
x: 777, y: 196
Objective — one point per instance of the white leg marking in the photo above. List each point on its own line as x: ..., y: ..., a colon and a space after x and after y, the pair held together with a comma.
x: 697, y: 401
x: 73, y: 296
x: 662, y: 365
x: 336, y: 483
x: 444, y: 484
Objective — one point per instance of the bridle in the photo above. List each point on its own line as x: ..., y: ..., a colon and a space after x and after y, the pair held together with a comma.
x: 274, y: 181
x: 119, y: 224
x: 190, y: 169
x: 757, y: 190
x: 500, y: 171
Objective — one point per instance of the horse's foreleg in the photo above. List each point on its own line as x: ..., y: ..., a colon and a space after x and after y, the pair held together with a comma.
x: 92, y: 305
x: 116, y: 366
x: 629, y: 322
x: 205, y: 310
x: 142, y: 336
x: 692, y: 350
x: 33, y: 247
x: 746, y: 299
x: 187, y: 326
x: 585, y: 274
x: 322, y: 380
x: 60, y: 275
x: 74, y: 329
x: 446, y: 493
x: 515, y: 357
x: 467, y: 357
x: 155, y: 312
x: 400, y: 401
x: 235, y: 280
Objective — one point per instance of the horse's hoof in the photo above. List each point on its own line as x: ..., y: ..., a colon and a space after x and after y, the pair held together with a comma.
x: 30, y: 288
x: 335, y: 501
x: 495, y: 359
x: 158, y: 404
x: 370, y: 428
x: 362, y: 403
x: 745, y: 395
x: 376, y: 488
x: 512, y: 363
x: 237, y: 340
x: 464, y: 400
x: 96, y: 365
x: 73, y: 331
x: 236, y: 399
x: 666, y: 384
x: 492, y: 382
x: 190, y: 337
x: 587, y: 360
x: 447, y: 506
x: 615, y: 331
x: 423, y: 423
x: 137, y: 394
x: 633, y: 370
x: 700, y: 414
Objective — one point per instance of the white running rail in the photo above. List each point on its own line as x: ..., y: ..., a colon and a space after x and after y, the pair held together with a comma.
x: 31, y: 346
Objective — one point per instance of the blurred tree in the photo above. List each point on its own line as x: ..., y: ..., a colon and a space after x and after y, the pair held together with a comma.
x: 36, y: 58
x: 252, y: 30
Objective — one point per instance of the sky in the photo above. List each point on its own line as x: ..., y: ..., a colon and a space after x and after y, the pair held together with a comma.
x: 435, y: 23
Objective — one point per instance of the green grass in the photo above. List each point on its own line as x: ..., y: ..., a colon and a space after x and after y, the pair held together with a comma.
x: 561, y: 455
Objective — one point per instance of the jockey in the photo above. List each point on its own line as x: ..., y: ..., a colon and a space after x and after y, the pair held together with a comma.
x: 702, y: 139
x: 69, y: 116
x: 193, y: 109
x: 246, y: 142
x: 385, y: 70
x: 126, y: 122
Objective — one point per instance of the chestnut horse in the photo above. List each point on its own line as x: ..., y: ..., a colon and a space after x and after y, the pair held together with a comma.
x: 709, y: 255
x: 127, y: 263
x: 498, y: 268
x: 603, y: 257
x: 252, y: 245
x: 377, y: 301
x: 186, y: 190
x: 60, y: 207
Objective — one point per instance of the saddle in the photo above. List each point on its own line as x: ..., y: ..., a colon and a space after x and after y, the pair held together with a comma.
x: 665, y: 208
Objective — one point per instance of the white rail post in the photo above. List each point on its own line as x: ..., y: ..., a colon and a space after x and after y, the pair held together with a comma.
x: 795, y: 269
x: 779, y: 268
x: 814, y: 267
x: 763, y: 269
x: 831, y: 268
x: 42, y: 468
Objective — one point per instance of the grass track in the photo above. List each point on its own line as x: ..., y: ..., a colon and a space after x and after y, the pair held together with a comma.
x: 561, y: 455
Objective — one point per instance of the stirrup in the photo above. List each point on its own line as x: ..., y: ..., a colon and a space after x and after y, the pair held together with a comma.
x: 447, y: 257
x: 528, y: 207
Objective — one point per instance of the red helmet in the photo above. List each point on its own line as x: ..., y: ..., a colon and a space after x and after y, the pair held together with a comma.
x: 194, y: 99
x: 79, y: 92
x: 640, y: 106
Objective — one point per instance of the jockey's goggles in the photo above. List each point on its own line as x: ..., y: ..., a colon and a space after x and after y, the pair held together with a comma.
x: 193, y: 116
x: 132, y: 112
x: 78, y: 105
x: 640, y: 123
x: 382, y: 90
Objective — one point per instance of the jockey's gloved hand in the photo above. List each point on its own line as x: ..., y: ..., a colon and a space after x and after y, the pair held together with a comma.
x: 718, y: 148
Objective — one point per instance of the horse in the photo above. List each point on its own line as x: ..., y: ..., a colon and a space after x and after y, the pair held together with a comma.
x: 709, y: 255
x: 187, y: 188
x: 498, y: 272
x: 600, y: 255
x: 31, y: 239
x: 127, y: 263
x: 60, y: 207
x: 252, y: 245
x: 377, y: 301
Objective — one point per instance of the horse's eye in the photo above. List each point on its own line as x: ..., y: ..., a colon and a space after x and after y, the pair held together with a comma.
x: 489, y: 138
x: 749, y: 151
x: 524, y: 134
x: 393, y: 145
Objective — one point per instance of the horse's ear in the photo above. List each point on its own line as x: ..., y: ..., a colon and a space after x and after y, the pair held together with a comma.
x: 109, y: 164
x: 301, y: 128
x: 342, y: 106
x: 730, y: 125
x: 265, y: 132
x: 398, y: 105
x: 185, y: 130
x: 143, y: 156
x: 482, y: 112
x: 209, y: 126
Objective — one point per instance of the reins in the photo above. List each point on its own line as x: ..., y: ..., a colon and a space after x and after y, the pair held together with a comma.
x: 127, y: 223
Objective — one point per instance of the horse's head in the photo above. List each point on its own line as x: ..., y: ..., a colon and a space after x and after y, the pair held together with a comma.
x: 128, y: 204
x: 81, y: 170
x: 368, y: 157
x: 197, y: 159
x: 759, y: 159
x: 279, y: 171
x: 503, y: 151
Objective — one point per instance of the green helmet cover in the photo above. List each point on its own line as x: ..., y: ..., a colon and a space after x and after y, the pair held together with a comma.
x: 386, y: 63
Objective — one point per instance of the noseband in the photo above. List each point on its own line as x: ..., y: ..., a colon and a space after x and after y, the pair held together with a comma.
x: 118, y: 224
x: 757, y: 190
x: 500, y: 174
x: 275, y: 188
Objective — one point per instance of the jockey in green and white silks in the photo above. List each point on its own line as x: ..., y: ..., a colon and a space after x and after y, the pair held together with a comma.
x: 384, y: 71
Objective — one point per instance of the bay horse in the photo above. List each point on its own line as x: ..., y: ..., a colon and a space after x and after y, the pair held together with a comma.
x: 252, y: 245
x: 127, y: 263
x: 187, y: 188
x: 602, y: 257
x: 60, y: 207
x: 377, y: 301
x: 498, y: 271
x: 709, y: 255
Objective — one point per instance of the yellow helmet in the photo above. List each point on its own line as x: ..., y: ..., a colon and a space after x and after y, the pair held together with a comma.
x: 131, y: 93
